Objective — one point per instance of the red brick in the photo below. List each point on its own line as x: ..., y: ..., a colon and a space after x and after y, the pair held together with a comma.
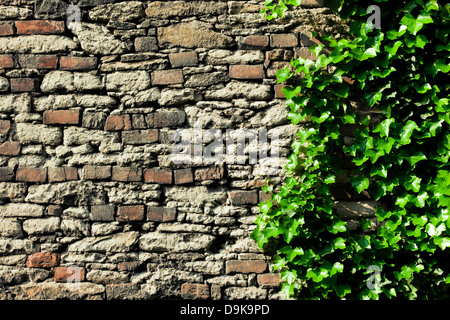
x: 130, y: 213
x: 31, y: 174
x: 195, y: 291
x: 183, y: 59
x: 127, y: 174
x: 97, y: 172
x: 182, y: 176
x: 10, y: 148
x: 163, y: 77
x: 278, y: 93
x: 43, y: 260
x: 263, y: 197
x: 245, y: 266
x: 161, y: 214
x: 6, y: 28
x: 269, y: 280
x: 138, y: 121
x: 40, y: 27
x: 283, y: 40
x: 304, y: 53
x: 23, y: 84
x: 32, y: 61
x: 247, y: 72
x: 279, y: 55
x: 5, y: 125
x: 54, y: 210
x: 61, y: 174
x: 158, y: 176
x: 62, y: 117
x: 77, y: 63
x: 6, y: 61
x: 118, y: 122
x: 70, y: 274
x: 138, y: 137
x: 6, y: 174
x: 102, y: 213
x: 243, y: 197
x: 255, y: 42
x: 128, y: 265
x: 211, y: 173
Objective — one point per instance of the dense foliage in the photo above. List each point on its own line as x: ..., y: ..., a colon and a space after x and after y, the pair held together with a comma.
x: 399, y: 73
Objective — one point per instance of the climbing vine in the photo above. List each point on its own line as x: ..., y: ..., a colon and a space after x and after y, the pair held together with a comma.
x: 391, y: 85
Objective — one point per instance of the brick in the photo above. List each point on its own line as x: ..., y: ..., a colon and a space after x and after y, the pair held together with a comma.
x: 243, y: 197
x: 168, y: 119
x: 283, y: 40
x: 54, y: 210
x: 127, y: 174
x: 247, y: 72
x: 211, y: 173
x: 6, y: 61
x: 138, y: 121
x: 161, y: 214
x: 72, y: 274
x: 312, y: 3
x: 43, y: 260
x: 145, y: 44
x: 77, y: 63
x: 97, y: 172
x: 61, y: 174
x: 245, y: 266
x: 183, y: 59
x: 5, y: 125
x: 158, y: 176
x: 118, y: 122
x: 6, y: 28
x: 32, y: 61
x: 278, y: 93
x: 304, y: 53
x: 195, y: 291
x: 102, y: 213
x: 263, y: 197
x: 138, y: 137
x: 23, y: 84
x: 39, y: 27
x: 6, y: 174
x: 66, y: 117
x: 182, y: 176
x: 131, y: 213
x: 10, y: 148
x: 269, y: 280
x: 254, y: 42
x: 280, y: 55
x: 128, y: 265
x: 26, y: 174
x: 163, y: 77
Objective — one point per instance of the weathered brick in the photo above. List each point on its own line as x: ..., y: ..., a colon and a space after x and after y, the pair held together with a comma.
x: 61, y: 174
x: 254, y: 42
x: 77, y: 63
x: 131, y: 213
x: 215, y: 172
x: 168, y: 119
x: 10, y: 148
x: 72, y: 274
x: 183, y: 59
x: 284, y: 40
x: 97, y: 172
x: 163, y: 77
x: 195, y: 291
x: 128, y: 265
x: 304, y: 53
x: 182, y: 176
x: 102, y: 213
x: 137, y: 137
x: 145, y: 44
x: 5, y: 125
x: 26, y: 174
x: 54, y: 210
x: 6, y: 28
x: 23, y: 84
x: 159, y: 176
x: 6, y: 174
x: 245, y: 266
x: 138, y: 121
x: 43, y: 260
x: 6, y: 61
x: 32, y: 61
x: 247, y: 72
x: 263, y: 197
x: 62, y: 117
x: 278, y: 93
x: 126, y: 174
x: 269, y: 280
x: 39, y: 27
x: 243, y: 197
x: 161, y: 214
x: 118, y: 122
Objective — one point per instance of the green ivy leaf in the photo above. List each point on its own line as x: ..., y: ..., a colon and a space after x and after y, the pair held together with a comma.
x: 360, y: 183
x: 339, y: 226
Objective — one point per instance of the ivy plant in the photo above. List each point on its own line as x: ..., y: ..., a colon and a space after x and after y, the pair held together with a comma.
x: 391, y: 85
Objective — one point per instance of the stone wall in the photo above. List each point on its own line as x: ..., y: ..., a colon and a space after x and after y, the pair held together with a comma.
x: 94, y: 203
